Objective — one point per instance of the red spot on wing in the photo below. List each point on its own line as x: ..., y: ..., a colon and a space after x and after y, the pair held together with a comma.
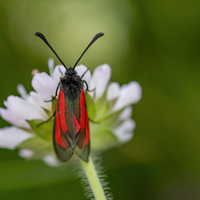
x: 82, y: 109
x: 60, y: 120
x: 76, y: 125
x: 84, y: 123
x: 62, y: 114
x: 62, y: 110
x: 58, y: 132
x: 87, y: 139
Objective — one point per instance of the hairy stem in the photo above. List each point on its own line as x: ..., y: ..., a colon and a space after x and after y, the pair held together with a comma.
x: 93, y: 179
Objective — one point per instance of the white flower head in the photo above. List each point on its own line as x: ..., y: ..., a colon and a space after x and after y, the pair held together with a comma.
x: 100, y: 79
x: 107, y: 103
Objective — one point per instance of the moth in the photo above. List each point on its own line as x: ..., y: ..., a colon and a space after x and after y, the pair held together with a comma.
x: 71, y: 123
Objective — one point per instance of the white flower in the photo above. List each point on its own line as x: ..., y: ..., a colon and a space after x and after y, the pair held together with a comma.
x: 44, y: 85
x: 51, y: 160
x: 11, y: 137
x: 113, y: 91
x: 100, y: 79
x: 128, y: 94
x: 124, y: 132
x: 25, y: 153
x: 111, y: 105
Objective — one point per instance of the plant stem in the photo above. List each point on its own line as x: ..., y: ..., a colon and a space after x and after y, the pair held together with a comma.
x: 93, y: 179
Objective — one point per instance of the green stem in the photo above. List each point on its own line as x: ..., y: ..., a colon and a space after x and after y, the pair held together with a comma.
x: 93, y: 179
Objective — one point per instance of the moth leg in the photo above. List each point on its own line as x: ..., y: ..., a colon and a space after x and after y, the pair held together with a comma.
x: 55, y: 94
x: 84, y: 73
x: 46, y: 120
x: 93, y: 90
x: 94, y: 122
x: 86, y: 82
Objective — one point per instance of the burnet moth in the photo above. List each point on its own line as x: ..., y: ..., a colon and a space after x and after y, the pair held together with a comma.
x: 71, y: 124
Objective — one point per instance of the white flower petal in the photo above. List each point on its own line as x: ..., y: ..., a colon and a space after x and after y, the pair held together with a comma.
x: 51, y: 160
x: 51, y: 65
x: 25, y: 153
x: 11, y: 137
x: 22, y: 91
x: 129, y: 94
x: 81, y: 69
x: 44, y: 85
x: 113, y: 91
x: 100, y: 79
x: 37, y: 100
x: 58, y: 72
x: 124, y: 132
x: 10, y: 117
x: 126, y: 113
x: 22, y: 109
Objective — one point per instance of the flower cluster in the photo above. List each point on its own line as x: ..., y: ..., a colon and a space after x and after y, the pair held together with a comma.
x: 108, y: 104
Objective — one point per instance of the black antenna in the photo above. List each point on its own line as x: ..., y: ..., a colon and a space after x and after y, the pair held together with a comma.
x: 40, y: 35
x: 98, y: 35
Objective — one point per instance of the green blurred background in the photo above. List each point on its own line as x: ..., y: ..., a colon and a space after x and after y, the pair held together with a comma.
x: 156, y: 43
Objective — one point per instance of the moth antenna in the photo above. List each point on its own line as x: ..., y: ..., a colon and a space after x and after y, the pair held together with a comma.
x: 98, y: 35
x: 40, y: 35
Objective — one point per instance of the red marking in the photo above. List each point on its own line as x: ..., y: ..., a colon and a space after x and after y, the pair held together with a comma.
x: 83, y: 109
x: 62, y: 116
x: 76, y: 125
x: 58, y: 133
x: 84, y: 123
x: 87, y: 139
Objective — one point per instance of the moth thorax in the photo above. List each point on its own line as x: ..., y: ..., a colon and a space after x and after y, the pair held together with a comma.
x: 72, y: 86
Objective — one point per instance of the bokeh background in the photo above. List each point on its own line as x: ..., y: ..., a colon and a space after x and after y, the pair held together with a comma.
x: 156, y: 43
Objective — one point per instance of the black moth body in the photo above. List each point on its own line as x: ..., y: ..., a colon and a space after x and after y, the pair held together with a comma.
x: 71, y: 123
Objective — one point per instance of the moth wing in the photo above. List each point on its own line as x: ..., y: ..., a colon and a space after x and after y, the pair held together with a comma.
x: 82, y: 148
x: 63, y: 143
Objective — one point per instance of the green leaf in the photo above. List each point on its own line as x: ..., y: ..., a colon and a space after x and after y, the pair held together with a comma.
x: 36, y: 144
x: 39, y: 146
x: 54, y: 102
x: 90, y: 106
x: 102, y: 137
x: 102, y: 107
x: 45, y: 130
